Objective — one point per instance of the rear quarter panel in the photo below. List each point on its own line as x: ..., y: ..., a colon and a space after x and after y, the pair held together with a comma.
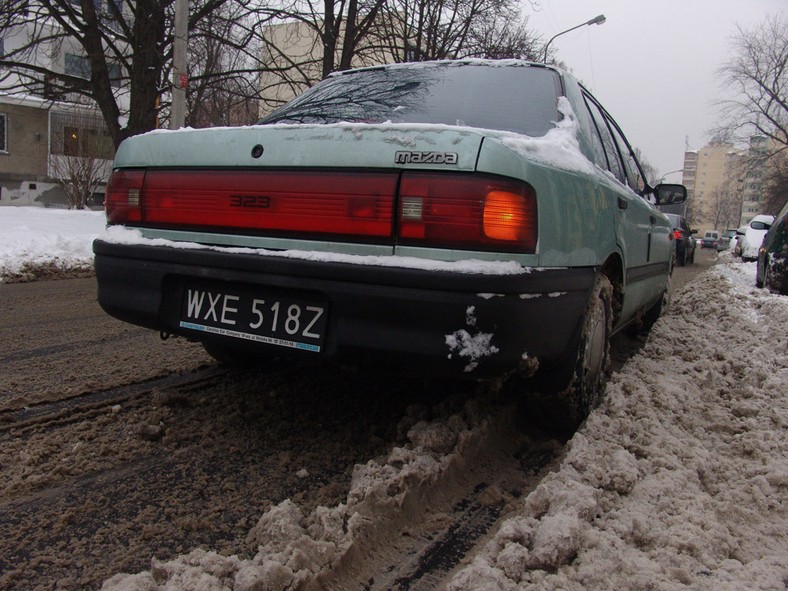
x: 575, y: 209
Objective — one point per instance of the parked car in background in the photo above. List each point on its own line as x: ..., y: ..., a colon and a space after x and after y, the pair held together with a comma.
x: 726, y: 239
x: 710, y: 240
x: 750, y: 241
x: 772, y: 270
x: 682, y: 237
x: 736, y: 249
x: 473, y: 218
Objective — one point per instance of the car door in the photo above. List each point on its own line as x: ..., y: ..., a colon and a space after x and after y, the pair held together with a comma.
x: 641, y: 235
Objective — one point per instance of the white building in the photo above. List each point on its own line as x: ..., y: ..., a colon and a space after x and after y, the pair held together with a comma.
x: 43, y: 130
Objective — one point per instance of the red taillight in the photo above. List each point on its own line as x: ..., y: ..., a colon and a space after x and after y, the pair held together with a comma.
x: 447, y: 210
x: 677, y: 234
x: 122, y: 200
x: 467, y: 211
x: 304, y: 202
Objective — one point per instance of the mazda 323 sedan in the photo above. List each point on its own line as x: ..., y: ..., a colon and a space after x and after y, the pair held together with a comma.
x: 483, y: 218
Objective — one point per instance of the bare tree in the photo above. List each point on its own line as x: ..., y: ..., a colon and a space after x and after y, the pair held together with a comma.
x: 692, y: 213
x: 312, y: 39
x: 81, y: 157
x: 115, y: 52
x: 775, y: 195
x: 723, y: 208
x: 226, y: 41
x: 757, y: 75
x: 648, y: 169
x: 308, y: 39
x: 504, y: 35
x: 333, y: 30
x: 420, y: 30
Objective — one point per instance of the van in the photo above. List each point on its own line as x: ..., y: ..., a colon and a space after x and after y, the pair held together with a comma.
x: 710, y: 240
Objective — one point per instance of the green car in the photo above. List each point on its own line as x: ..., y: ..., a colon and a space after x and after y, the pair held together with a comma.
x: 476, y: 218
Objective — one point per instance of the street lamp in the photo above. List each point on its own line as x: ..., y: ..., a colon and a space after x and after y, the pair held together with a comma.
x: 664, y: 176
x: 597, y: 20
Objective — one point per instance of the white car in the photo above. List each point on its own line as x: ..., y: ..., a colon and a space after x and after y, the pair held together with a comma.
x: 750, y: 241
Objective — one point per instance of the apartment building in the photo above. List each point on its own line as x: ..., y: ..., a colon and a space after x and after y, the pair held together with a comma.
x: 711, y: 176
x: 45, y: 134
x: 757, y: 168
x: 725, y: 183
x: 44, y: 143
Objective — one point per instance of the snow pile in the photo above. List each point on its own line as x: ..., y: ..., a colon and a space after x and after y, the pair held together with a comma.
x: 559, y: 147
x: 680, y: 479
x: 36, y: 237
x: 295, y: 550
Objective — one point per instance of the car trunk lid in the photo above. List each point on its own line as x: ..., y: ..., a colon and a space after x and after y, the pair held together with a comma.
x: 387, y: 185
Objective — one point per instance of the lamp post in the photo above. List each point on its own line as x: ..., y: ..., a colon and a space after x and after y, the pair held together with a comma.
x: 180, y: 79
x: 597, y: 20
x: 664, y: 176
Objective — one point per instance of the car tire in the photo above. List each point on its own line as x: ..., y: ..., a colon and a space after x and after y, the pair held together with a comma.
x: 769, y: 281
x: 775, y: 281
x: 681, y: 257
x: 565, y: 395
x: 760, y: 278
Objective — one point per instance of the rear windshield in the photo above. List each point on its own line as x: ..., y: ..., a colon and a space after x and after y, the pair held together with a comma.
x: 522, y: 99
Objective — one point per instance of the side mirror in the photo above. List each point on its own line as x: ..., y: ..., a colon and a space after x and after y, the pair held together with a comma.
x: 694, y: 231
x: 670, y: 194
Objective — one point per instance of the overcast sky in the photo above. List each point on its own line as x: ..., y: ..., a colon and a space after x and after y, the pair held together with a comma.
x: 653, y: 64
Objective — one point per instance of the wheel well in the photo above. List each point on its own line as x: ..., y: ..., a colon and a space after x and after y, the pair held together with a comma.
x: 613, y: 269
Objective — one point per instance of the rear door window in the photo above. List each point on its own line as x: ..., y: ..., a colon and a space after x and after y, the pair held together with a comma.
x: 612, y: 156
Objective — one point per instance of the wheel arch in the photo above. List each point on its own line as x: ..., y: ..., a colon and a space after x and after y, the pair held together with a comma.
x: 613, y: 269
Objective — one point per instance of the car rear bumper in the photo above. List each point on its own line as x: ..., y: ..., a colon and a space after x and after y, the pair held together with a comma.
x: 453, y: 320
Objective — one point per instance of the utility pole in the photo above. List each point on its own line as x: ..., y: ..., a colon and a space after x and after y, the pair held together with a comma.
x: 180, y: 76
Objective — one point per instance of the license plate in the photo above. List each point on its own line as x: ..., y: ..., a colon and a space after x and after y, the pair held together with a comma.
x: 252, y: 315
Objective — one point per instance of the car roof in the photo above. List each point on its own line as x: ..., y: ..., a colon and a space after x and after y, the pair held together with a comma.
x: 495, y: 63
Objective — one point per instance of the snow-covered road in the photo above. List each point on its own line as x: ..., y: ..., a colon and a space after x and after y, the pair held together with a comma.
x: 678, y: 481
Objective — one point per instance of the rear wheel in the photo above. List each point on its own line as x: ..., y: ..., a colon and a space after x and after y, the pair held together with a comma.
x: 569, y: 392
x: 774, y: 276
x: 760, y: 278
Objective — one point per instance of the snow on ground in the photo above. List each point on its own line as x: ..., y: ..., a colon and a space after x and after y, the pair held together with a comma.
x: 41, y: 237
x: 679, y: 480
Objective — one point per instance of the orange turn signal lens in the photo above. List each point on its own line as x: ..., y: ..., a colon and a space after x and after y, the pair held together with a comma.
x: 506, y: 216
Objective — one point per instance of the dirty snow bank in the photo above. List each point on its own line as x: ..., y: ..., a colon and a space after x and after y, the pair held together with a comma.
x: 297, y: 551
x: 680, y: 480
